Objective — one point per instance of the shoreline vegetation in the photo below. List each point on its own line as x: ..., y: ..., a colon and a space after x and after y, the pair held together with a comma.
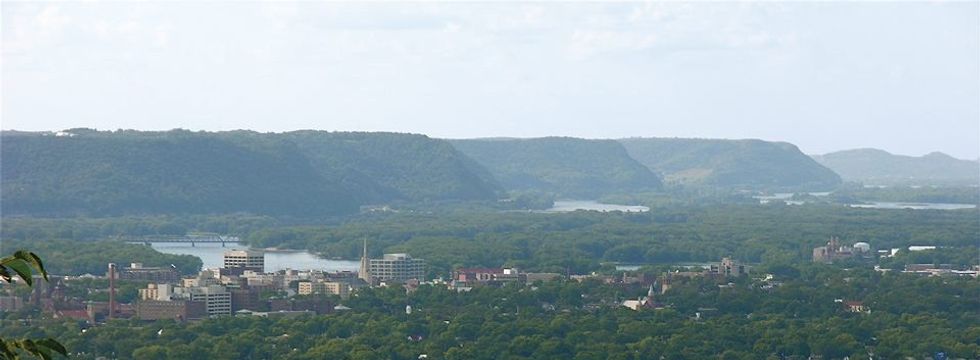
x: 579, y: 240
x: 75, y: 202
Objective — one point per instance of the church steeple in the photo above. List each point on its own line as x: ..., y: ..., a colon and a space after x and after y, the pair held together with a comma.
x: 365, y: 272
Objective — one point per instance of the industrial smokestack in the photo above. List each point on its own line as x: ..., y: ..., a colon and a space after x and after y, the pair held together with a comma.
x: 112, y: 290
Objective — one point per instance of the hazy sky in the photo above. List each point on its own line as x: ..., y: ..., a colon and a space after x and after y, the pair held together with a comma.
x: 904, y: 77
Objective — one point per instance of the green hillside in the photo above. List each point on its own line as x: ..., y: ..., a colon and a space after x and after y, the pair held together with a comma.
x: 380, y: 167
x: 101, y: 173
x: 754, y: 164
x: 569, y: 167
x: 880, y: 167
x: 298, y: 174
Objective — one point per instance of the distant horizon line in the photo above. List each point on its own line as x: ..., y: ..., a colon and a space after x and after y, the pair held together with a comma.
x: 492, y: 138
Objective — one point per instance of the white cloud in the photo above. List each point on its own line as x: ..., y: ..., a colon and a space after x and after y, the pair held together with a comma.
x: 664, y: 28
x: 50, y: 20
x: 586, y: 43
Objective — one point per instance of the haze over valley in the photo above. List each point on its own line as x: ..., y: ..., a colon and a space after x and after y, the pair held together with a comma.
x: 315, y: 173
x: 489, y: 180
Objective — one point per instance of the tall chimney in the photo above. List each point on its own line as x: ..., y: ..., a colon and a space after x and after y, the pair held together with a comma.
x: 112, y: 290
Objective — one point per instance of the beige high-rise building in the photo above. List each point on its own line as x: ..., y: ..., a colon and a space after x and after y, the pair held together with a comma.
x: 246, y: 259
x: 324, y: 287
x: 398, y: 268
x: 306, y: 288
x: 216, y: 297
x: 729, y: 267
x: 161, y: 292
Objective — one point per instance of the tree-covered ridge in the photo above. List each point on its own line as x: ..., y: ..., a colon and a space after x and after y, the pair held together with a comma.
x: 731, y: 163
x: 182, y: 172
x: 569, y: 167
x: 380, y: 167
x: 172, y: 172
x: 880, y: 167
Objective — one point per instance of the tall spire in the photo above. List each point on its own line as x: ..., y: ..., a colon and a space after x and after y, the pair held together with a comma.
x: 365, y: 272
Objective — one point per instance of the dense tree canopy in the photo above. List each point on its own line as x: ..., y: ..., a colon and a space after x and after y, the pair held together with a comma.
x: 910, y: 316
x: 796, y: 314
x: 582, y: 240
x: 66, y: 257
x: 947, y: 194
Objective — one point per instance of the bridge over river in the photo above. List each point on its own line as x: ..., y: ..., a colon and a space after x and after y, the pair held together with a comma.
x: 192, y: 239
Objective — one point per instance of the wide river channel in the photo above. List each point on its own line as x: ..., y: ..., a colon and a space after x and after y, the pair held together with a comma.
x: 212, y: 254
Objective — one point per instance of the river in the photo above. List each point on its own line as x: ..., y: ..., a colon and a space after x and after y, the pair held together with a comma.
x: 912, y: 205
x: 572, y: 205
x: 785, y: 197
x: 212, y: 254
x: 688, y: 265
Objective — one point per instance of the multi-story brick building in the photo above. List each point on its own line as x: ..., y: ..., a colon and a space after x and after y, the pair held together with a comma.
x: 171, y: 309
